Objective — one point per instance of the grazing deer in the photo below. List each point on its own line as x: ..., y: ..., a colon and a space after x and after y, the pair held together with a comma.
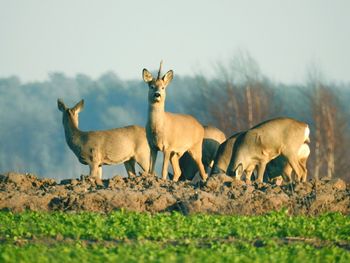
x: 173, y: 134
x: 213, y: 137
x: 264, y: 142
x: 126, y: 145
x: 223, y: 155
x: 280, y: 166
x: 276, y: 167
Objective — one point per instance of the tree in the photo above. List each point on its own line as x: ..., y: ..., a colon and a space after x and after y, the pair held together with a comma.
x: 237, y: 98
x: 328, y: 128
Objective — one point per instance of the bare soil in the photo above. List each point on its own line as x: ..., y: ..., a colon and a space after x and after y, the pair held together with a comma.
x: 220, y: 195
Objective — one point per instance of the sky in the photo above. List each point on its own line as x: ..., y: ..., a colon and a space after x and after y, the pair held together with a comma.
x: 38, y: 37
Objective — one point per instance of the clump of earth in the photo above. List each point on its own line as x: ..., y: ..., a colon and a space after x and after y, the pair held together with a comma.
x: 221, y: 194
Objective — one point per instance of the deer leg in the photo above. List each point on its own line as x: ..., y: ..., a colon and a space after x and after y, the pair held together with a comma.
x: 152, y: 163
x: 143, y: 161
x: 99, y: 176
x: 261, y: 170
x: 196, y: 154
x: 303, y: 178
x: 100, y: 172
x: 298, y: 169
x: 174, y: 159
x: 287, y: 172
x: 303, y: 164
x: 130, y: 167
x: 165, y: 165
x: 233, y: 169
x: 248, y: 173
x: 93, y: 170
x: 95, y: 173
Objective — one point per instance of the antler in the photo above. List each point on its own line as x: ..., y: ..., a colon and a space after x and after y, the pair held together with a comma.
x: 160, y: 69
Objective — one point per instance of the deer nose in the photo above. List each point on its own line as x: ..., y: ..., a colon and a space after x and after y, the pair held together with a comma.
x: 157, y: 95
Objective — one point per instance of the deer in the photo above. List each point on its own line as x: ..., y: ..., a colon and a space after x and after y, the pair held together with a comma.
x: 171, y: 133
x: 126, y: 145
x: 266, y: 141
x: 276, y: 167
x: 213, y: 137
x: 280, y: 166
x: 223, y: 155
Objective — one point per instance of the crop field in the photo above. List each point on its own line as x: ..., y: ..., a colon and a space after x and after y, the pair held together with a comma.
x: 122, y: 236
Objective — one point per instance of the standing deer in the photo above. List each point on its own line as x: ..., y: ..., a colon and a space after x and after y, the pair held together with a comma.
x: 173, y: 134
x: 264, y: 142
x: 213, y: 137
x: 126, y: 145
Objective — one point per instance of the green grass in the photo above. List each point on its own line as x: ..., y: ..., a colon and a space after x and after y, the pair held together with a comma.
x: 135, y: 237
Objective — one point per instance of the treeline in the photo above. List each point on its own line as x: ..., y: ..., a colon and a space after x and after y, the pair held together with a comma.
x: 234, y: 98
x: 240, y: 96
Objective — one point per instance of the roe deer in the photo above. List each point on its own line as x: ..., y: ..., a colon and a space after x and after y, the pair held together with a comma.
x: 223, y: 155
x: 277, y: 167
x: 173, y: 134
x: 264, y: 142
x: 126, y: 145
x: 280, y: 166
x: 213, y: 137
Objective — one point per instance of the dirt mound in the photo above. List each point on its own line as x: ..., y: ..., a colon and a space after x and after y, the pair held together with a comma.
x: 220, y: 194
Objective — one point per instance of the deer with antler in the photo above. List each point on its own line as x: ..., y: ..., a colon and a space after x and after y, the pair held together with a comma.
x: 171, y: 133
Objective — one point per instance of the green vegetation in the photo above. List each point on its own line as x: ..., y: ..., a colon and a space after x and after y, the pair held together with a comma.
x: 134, y: 237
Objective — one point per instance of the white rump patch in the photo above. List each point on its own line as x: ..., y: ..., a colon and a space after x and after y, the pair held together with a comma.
x: 304, y: 151
x: 307, y: 134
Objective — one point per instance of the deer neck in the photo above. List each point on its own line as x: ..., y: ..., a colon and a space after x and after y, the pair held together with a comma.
x: 156, y: 116
x: 72, y: 133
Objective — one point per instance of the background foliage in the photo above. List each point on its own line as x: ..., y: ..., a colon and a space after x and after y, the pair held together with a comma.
x: 235, y: 96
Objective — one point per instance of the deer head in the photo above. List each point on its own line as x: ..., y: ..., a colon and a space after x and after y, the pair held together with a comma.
x: 70, y: 115
x: 156, y: 92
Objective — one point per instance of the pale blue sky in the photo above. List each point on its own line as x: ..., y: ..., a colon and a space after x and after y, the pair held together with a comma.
x: 92, y: 37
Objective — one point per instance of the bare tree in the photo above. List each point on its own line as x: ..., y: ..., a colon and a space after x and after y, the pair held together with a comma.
x: 328, y: 130
x: 236, y: 98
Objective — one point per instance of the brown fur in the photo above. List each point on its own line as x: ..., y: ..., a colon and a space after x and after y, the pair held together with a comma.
x: 126, y: 145
x: 213, y: 137
x: 266, y: 141
x: 173, y: 134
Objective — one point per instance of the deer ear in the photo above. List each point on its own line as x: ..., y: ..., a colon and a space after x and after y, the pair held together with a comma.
x: 168, y: 77
x: 147, y: 76
x: 78, y: 107
x: 239, y: 170
x: 61, y: 106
